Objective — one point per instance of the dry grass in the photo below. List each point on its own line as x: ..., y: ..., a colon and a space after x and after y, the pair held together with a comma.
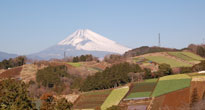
x: 29, y: 72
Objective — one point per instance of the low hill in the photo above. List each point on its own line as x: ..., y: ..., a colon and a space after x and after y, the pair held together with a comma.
x: 174, y: 58
x: 145, y: 49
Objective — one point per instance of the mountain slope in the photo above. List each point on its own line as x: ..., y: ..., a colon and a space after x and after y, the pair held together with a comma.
x: 4, y: 55
x: 82, y: 42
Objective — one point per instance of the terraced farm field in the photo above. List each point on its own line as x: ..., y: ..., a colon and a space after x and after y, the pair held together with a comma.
x: 181, y: 56
x: 192, y: 55
x: 142, y: 90
x: 187, y: 56
x: 92, y: 100
x: 170, y: 61
x: 115, y: 97
x: 171, y: 83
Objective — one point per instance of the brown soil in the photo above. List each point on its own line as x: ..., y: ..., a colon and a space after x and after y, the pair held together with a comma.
x: 157, y: 103
x: 11, y: 73
x: 175, y: 100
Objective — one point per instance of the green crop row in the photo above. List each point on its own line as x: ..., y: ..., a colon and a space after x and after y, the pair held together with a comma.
x: 138, y: 95
x: 115, y: 97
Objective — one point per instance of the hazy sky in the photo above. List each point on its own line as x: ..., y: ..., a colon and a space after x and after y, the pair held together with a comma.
x: 30, y: 26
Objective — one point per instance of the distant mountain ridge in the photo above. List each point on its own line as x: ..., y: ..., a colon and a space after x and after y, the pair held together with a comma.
x: 82, y: 42
x: 4, y: 55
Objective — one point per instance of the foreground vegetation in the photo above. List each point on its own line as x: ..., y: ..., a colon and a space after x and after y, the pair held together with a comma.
x: 14, y: 96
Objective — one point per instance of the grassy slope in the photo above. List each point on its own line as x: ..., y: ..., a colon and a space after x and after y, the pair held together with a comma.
x: 171, y: 62
x: 74, y: 64
x: 171, y: 83
x: 115, y: 97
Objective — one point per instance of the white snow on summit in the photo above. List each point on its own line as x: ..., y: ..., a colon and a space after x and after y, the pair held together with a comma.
x: 91, y: 41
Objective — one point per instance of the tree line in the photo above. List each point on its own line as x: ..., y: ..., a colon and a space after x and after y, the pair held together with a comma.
x: 84, y: 58
x: 120, y: 74
x: 13, y: 62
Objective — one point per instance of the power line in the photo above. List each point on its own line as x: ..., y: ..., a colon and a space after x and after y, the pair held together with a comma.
x: 159, y: 42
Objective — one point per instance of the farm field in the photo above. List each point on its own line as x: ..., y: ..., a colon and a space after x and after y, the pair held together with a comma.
x: 192, y: 55
x: 171, y: 62
x: 138, y: 95
x: 171, y: 83
x: 180, y: 97
x: 142, y: 90
x: 181, y: 56
x: 115, y: 97
x: 173, y: 77
x: 92, y: 100
x: 74, y: 64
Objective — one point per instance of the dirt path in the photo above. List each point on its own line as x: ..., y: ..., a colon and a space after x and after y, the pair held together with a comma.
x: 28, y: 72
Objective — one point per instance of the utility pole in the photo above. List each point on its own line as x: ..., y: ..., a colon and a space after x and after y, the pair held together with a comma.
x: 64, y: 54
x: 159, y: 42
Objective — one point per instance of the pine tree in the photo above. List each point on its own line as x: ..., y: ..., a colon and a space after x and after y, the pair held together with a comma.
x: 14, y: 96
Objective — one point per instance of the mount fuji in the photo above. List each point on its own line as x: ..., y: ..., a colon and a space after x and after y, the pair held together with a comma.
x: 81, y: 42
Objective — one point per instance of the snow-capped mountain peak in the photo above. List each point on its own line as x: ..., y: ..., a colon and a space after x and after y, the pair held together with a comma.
x: 90, y: 41
x: 81, y: 42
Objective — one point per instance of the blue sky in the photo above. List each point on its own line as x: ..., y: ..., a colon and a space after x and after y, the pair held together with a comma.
x: 30, y: 26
